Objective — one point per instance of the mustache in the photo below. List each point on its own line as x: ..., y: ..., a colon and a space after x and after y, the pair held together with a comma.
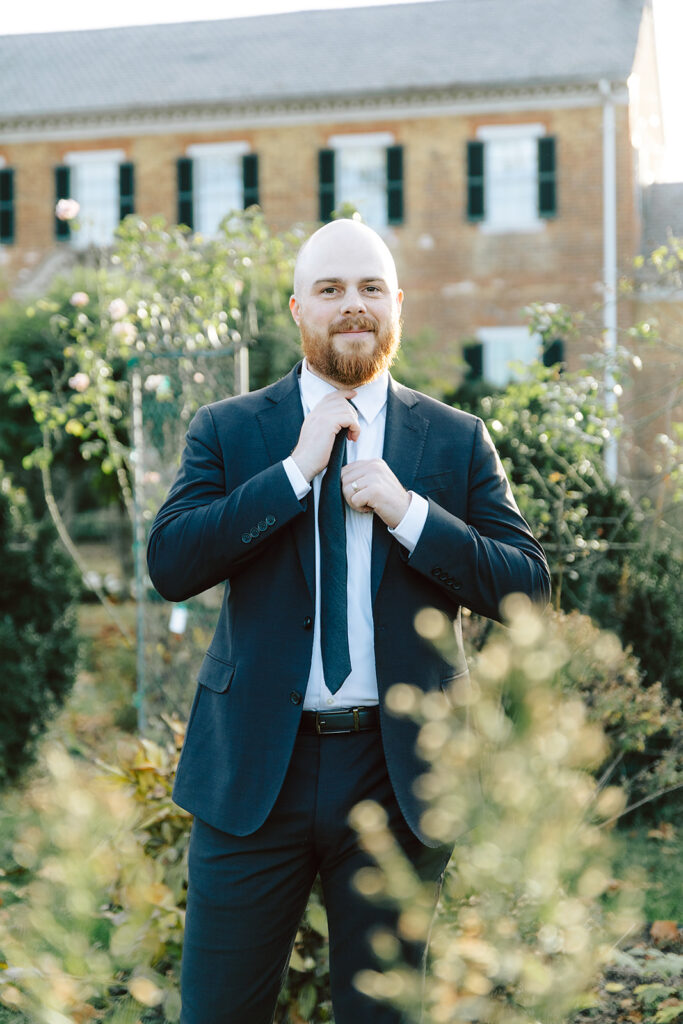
x: 351, y: 323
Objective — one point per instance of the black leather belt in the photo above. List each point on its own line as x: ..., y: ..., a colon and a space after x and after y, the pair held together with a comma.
x: 349, y: 720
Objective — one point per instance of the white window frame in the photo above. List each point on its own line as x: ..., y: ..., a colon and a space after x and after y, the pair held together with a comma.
x: 490, y: 134
x: 497, y: 343
x: 347, y: 143
x: 232, y: 151
x: 89, y: 226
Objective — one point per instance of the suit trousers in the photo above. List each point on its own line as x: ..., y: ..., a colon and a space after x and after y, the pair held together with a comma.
x: 247, y: 894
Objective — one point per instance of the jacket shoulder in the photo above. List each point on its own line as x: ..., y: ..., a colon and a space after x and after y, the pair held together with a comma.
x: 436, y: 411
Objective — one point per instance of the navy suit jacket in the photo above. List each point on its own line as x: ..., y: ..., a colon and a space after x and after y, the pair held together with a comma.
x: 232, y: 515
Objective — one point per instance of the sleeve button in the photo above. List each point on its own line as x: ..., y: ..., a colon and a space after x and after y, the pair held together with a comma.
x: 254, y: 532
x: 246, y: 538
x: 263, y: 526
x: 270, y: 520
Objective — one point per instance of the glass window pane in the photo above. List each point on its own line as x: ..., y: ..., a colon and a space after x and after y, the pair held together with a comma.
x: 362, y: 180
x: 503, y: 346
x: 218, y: 190
x: 511, y: 181
x: 95, y: 184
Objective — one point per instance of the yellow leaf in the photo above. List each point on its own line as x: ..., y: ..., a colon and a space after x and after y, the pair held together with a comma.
x: 145, y: 991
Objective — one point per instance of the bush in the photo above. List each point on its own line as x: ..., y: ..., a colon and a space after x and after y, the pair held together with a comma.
x: 611, y: 556
x: 38, y: 642
x: 522, y: 926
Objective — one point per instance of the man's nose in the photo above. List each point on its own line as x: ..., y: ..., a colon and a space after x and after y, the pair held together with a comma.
x: 353, y: 303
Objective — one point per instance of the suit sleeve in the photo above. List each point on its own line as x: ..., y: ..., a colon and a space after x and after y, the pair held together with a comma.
x: 203, y: 535
x: 478, y: 560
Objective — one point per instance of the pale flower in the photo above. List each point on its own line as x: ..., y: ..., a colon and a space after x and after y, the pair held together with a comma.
x: 117, y: 309
x: 79, y: 299
x: 124, y: 332
x: 67, y: 209
x: 79, y: 381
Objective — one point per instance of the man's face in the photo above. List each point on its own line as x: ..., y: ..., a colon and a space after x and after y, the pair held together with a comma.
x: 347, y: 305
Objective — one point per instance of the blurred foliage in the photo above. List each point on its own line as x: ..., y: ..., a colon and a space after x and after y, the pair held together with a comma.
x: 612, y: 555
x: 93, y: 901
x: 523, y: 924
x: 38, y: 642
x: 526, y: 752
x: 643, y: 725
x: 160, y: 291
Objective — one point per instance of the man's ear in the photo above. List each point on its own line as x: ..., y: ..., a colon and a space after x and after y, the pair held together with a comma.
x: 294, y: 309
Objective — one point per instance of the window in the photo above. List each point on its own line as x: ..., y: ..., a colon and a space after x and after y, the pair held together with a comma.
x: 491, y: 357
x: 511, y: 178
x: 213, y: 179
x: 365, y: 170
x: 6, y: 205
x: 103, y: 185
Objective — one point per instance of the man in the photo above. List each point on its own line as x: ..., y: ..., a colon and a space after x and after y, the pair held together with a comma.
x: 288, y: 730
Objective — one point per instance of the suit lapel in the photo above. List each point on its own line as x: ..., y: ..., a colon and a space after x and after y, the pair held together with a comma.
x: 405, y: 434
x: 280, y: 421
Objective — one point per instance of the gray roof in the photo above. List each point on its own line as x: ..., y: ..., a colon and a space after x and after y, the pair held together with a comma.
x: 309, y: 55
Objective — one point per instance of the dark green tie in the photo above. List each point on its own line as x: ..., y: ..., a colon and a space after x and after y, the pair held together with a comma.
x: 334, y: 632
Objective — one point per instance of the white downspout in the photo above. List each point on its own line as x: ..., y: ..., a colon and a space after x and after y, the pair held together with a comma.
x: 609, y: 235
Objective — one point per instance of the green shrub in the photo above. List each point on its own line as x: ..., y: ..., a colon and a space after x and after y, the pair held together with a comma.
x: 522, y: 926
x: 38, y: 641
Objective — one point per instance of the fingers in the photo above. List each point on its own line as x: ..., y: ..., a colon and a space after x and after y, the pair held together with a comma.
x: 369, y: 485
x: 320, y: 427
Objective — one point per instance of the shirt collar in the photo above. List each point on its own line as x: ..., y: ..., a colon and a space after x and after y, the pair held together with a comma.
x: 369, y: 401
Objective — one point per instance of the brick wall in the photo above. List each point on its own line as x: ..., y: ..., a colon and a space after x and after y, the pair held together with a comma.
x: 456, y: 277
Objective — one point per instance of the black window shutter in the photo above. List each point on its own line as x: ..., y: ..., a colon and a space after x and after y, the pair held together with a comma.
x: 476, y: 209
x: 473, y: 354
x: 62, y: 191
x: 250, y: 179
x: 126, y: 190
x: 547, y: 177
x: 185, y: 202
x: 395, y: 184
x: 325, y: 184
x: 6, y: 206
x: 553, y: 352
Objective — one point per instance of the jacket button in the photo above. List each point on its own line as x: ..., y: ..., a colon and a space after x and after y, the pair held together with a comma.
x: 295, y: 697
x: 254, y: 532
x: 246, y: 538
x: 270, y: 520
x: 308, y: 622
x: 436, y: 571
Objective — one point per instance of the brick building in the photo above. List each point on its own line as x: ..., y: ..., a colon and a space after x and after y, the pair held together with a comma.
x: 483, y: 139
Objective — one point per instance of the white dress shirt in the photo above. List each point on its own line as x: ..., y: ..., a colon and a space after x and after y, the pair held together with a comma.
x: 360, y: 686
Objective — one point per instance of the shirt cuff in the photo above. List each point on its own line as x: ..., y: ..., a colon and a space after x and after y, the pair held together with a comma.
x: 300, y: 484
x: 410, y: 528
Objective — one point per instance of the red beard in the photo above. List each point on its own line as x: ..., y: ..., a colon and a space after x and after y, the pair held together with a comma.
x: 354, y: 366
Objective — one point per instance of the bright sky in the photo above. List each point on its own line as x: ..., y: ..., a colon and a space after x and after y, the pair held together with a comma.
x: 79, y: 14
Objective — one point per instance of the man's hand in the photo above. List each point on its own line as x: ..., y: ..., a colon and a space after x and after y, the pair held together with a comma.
x: 319, y: 429
x: 370, y: 486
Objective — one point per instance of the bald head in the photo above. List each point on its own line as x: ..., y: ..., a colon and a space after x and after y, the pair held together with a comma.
x: 341, y: 249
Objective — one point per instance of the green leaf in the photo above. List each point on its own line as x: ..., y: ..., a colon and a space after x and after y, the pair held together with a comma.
x: 308, y: 997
